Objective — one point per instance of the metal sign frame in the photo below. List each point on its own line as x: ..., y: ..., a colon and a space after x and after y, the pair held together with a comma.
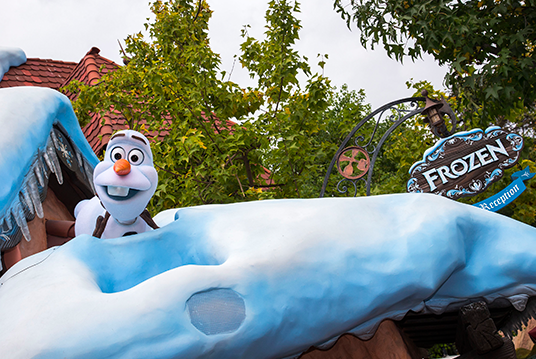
x: 396, y: 112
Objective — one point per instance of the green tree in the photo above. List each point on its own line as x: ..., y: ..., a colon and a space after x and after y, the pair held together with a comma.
x: 291, y: 115
x: 346, y: 109
x: 173, y: 90
x: 407, y: 144
x: 403, y: 147
x: 170, y: 90
x: 488, y: 45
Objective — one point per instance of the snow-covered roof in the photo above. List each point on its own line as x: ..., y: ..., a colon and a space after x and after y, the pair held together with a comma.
x: 10, y: 56
x: 56, y: 74
x: 28, y: 147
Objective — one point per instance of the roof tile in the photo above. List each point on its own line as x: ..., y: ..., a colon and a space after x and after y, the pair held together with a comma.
x: 56, y: 74
x: 37, y: 72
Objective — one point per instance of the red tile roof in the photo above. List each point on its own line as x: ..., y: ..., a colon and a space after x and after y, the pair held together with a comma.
x: 57, y: 74
x: 98, y: 132
x: 38, y: 72
x: 89, y: 72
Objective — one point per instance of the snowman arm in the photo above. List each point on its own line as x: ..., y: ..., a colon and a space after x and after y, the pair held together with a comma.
x: 101, y: 225
x: 146, y: 216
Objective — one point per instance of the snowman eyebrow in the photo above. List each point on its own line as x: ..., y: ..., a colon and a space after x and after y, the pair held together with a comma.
x: 139, y: 139
x: 117, y: 135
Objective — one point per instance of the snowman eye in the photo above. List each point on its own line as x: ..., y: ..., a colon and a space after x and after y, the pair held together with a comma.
x: 117, y: 154
x: 135, y: 157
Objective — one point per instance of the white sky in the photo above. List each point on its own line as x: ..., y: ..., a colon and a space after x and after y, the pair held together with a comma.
x: 67, y: 29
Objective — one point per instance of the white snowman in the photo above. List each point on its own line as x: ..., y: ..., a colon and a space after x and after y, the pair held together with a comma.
x: 124, y: 181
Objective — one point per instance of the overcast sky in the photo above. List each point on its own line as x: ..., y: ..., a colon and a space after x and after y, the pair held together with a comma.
x: 67, y: 29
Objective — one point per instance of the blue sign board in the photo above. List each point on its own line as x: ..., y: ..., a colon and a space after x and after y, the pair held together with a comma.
x: 465, y: 163
x: 507, y: 195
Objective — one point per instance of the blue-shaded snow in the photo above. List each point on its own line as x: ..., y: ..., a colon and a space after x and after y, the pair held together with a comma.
x: 10, y: 57
x: 27, y: 115
x: 125, y: 262
x: 307, y: 270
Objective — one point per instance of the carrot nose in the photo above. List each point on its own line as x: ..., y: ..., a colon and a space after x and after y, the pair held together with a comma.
x: 122, y: 167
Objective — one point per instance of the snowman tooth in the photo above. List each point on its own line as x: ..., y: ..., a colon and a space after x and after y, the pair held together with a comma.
x: 118, y: 191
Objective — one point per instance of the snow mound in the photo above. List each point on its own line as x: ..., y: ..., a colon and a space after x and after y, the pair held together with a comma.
x: 10, y: 57
x: 263, y: 279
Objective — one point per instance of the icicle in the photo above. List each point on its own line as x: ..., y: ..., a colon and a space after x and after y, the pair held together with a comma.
x: 89, y: 175
x: 54, y: 162
x: 38, y: 173
x: 42, y: 163
x: 48, y: 161
x: 79, y: 159
x: 517, y: 319
x: 27, y: 200
x: 55, y: 139
x: 532, y: 308
x: 519, y: 301
x: 7, y: 222
x: 33, y: 193
x: 18, y: 214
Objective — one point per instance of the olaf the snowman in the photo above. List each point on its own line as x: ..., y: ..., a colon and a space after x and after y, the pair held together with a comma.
x: 124, y: 181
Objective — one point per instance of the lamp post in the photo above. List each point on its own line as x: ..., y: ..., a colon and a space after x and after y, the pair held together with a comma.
x: 434, y: 111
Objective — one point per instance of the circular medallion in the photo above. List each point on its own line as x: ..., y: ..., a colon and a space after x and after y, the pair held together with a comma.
x: 353, y: 162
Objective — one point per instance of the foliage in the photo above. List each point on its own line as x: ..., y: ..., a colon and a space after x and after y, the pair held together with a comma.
x: 170, y: 86
x: 522, y: 353
x: 488, y: 45
x: 407, y: 144
x: 347, y: 108
x: 403, y: 147
x: 291, y: 117
x: 442, y: 350
x: 212, y: 138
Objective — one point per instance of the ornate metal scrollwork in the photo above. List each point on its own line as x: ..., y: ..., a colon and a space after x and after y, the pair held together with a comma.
x: 342, y: 186
x: 356, y: 162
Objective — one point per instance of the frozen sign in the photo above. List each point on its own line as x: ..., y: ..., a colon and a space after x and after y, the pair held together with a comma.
x: 465, y: 163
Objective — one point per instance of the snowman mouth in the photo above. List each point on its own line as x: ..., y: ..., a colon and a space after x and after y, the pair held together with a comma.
x: 120, y: 193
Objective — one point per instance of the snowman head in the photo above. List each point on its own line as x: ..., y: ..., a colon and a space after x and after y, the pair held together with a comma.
x: 126, y: 179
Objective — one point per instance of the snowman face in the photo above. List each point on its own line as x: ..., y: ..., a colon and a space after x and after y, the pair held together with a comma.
x: 126, y: 179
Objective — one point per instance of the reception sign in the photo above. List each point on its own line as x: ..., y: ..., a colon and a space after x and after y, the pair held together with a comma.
x: 465, y: 163
x: 507, y: 195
